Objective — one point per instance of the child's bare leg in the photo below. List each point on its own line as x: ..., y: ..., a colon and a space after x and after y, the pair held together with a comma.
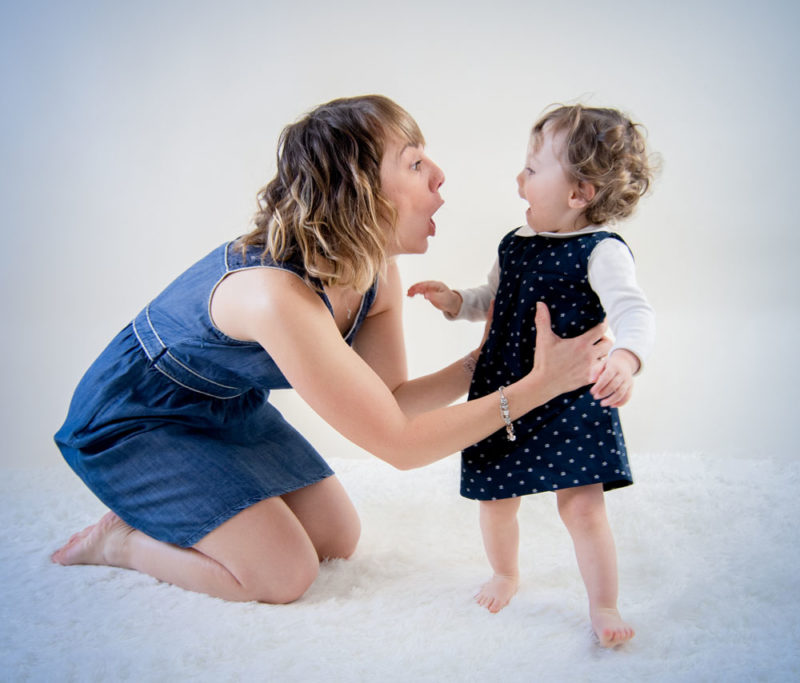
x: 583, y: 510
x: 500, y: 531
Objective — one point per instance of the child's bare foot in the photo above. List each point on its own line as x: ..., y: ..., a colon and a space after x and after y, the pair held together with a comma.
x: 609, y: 627
x: 497, y: 592
x: 96, y: 544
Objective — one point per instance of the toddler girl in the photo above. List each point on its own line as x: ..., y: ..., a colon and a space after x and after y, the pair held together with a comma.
x: 585, y: 168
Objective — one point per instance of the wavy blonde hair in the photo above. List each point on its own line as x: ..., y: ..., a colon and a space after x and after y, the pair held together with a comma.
x: 325, y: 203
x: 606, y: 149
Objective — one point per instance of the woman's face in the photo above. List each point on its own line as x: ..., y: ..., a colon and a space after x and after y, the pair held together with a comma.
x: 411, y: 181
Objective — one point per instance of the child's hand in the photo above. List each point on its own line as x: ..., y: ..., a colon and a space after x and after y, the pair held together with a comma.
x: 615, y: 383
x: 439, y: 294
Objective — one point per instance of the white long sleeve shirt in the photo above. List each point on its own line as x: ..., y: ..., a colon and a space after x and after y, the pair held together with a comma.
x: 612, y: 276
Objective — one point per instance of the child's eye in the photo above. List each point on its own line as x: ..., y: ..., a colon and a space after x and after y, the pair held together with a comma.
x: 416, y: 166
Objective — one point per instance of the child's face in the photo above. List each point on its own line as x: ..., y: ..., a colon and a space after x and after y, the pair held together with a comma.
x: 551, y: 194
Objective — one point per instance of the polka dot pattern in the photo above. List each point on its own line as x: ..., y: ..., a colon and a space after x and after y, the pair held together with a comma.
x: 571, y: 440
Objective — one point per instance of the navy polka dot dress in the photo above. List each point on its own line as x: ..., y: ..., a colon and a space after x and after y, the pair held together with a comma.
x: 572, y: 440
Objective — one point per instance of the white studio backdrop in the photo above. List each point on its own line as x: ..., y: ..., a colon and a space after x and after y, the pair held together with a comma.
x: 135, y: 136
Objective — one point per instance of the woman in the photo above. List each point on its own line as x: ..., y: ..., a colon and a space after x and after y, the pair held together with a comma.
x: 209, y: 488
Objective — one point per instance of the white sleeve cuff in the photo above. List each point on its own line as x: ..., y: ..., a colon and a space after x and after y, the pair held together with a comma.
x: 475, y: 301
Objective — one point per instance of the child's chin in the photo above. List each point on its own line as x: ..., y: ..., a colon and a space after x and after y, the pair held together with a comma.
x: 529, y: 218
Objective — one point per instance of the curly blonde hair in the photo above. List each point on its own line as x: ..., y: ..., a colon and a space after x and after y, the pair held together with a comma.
x: 325, y: 204
x: 606, y: 149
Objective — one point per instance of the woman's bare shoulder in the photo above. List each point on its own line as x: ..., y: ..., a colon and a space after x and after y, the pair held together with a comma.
x: 248, y: 298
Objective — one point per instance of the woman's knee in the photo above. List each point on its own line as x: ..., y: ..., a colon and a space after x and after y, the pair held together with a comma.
x: 266, y: 552
x: 290, y: 588
x: 279, y: 586
x: 328, y: 517
x: 342, y: 540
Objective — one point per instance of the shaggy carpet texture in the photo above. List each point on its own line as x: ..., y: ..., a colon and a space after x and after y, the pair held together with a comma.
x: 708, y: 553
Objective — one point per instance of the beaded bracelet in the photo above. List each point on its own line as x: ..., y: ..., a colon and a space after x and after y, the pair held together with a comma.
x: 506, y: 416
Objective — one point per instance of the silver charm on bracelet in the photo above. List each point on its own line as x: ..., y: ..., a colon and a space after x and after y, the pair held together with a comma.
x: 506, y: 416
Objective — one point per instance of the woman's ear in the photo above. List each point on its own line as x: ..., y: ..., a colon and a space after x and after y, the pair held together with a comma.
x: 582, y: 193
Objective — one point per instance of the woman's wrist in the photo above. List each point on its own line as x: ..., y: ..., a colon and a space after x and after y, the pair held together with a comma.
x: 505, y: 413
x: 530, y: 392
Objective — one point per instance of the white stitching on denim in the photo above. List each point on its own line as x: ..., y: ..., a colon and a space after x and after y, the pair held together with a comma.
x: 186, y: 386
x: 196, y: 374
x: 166, y: 374
x: 141, y: 343
x: 150, y: 323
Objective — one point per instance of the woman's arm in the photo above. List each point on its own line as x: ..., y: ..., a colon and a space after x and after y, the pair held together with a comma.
x: 381, y: 343
x: 280, y: 311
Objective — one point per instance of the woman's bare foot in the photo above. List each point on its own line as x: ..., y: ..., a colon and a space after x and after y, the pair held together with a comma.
x: 497, y: 592
x: 100, y: 543
x: 609, y: 627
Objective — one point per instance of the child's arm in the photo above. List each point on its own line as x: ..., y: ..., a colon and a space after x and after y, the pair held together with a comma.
x: 440, y: 295
x: 460, y: 304
x: 612, y: 275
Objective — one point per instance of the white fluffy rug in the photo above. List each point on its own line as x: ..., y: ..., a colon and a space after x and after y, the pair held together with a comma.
x: 709, y: 567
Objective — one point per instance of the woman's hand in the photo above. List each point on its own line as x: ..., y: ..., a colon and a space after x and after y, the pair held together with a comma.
x: 568, y: 364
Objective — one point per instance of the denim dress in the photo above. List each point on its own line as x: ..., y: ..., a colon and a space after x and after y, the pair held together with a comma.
x: 571, y: 440
x: 172, y: 428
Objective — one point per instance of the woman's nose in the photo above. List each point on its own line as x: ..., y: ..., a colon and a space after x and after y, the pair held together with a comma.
x: 437, y: 178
